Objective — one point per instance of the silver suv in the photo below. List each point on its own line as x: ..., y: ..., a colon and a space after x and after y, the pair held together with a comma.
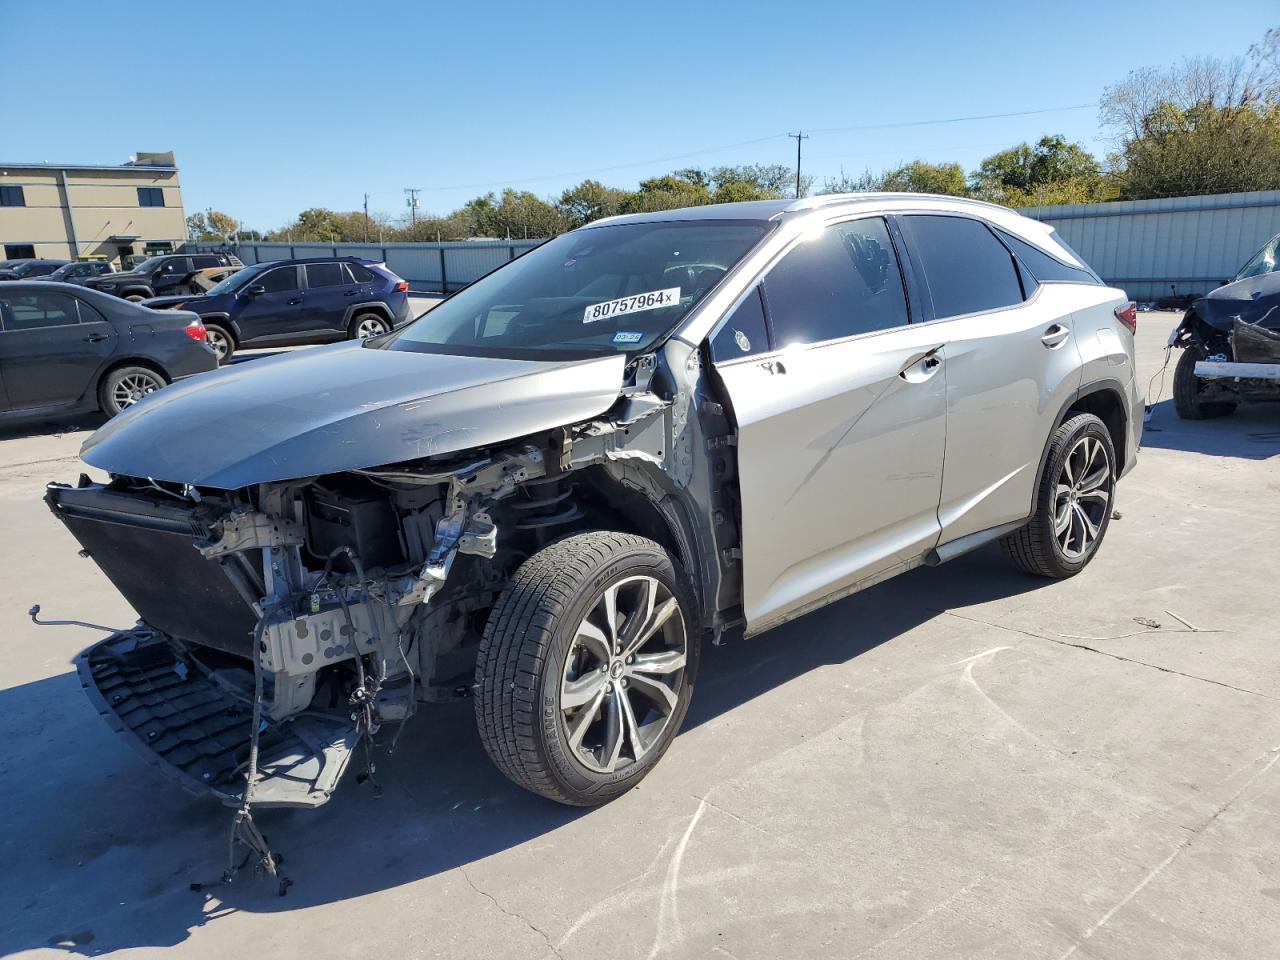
x: 548, y: 490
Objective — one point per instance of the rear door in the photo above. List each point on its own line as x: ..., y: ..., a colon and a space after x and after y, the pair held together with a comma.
x: 50, y: 348
x: 278, y: 312
x: 330, y: 291
x: 840, y: 423
x: 1012, y: 364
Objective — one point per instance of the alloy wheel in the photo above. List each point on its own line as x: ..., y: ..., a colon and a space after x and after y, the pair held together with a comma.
x: 218, y: 340
x: 1082, y: 497
x: 622, y: 677
x: 370, y: 327
x: 132, y: 388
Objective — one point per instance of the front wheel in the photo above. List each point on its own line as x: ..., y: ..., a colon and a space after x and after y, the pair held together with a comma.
x: 1187, y: 389
x: 587, y: 666
x: 1073, y: 503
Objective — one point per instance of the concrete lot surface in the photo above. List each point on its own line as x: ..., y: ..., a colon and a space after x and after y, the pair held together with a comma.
x: 964, y: 762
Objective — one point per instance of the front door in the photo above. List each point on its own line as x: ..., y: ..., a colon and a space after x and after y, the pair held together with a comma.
x: 841, y: 426
x: 171, y: 277
x: 50, y: 348
x: 277, y: 312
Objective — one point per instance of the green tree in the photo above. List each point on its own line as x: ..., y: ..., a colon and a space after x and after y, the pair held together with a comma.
x: 1025, y: 169
x: 590, y: 200
x: 211, y: 225
x: 681, y: 189
x: 914, y: 177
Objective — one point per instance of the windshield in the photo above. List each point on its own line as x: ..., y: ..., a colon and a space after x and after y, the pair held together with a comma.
x: 233, y: 282
x: 62, y: 271
x: 609, y: 289
x: 23, y: 269
x: 1264, y: 261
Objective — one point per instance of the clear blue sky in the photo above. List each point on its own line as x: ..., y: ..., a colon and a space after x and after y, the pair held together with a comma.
x: 273, y: 106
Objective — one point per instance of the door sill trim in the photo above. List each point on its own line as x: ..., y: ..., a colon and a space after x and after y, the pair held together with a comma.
x: 970, y: 541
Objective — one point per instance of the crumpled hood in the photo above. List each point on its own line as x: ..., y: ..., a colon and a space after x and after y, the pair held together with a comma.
x: 1253, y: 300
x: 343, y: 407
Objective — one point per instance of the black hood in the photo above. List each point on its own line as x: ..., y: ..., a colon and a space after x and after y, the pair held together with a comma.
x: 1252, y: 300
x: 343, y: 407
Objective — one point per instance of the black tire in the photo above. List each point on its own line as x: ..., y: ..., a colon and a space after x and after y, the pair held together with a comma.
x: 1036, y: 548
x: 134, y: 381
x: 367, y: 320
x: 1187, y: 387
x: 220, y: 338
x: 135, y: 297
x: 532, y: 633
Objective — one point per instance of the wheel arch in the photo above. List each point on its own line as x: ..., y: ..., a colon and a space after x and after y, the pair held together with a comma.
x: 371, y: 306
x: 1105, y: 400
x: 225, y: 322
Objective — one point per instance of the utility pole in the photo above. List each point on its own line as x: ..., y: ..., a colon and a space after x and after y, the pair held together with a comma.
x: 412, y: 203
x: 798, y: 137
x: 366, y: 218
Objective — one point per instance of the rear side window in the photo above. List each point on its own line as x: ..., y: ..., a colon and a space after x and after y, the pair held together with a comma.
x: 843, y: 281
x: 324, y: 275
x: 281, y: 280
x: 1044, y: 267
x: 31, y: 311
x: 744, y: 332
x: 204, y: 262
x: 967, y: 268
x: 359, y: 273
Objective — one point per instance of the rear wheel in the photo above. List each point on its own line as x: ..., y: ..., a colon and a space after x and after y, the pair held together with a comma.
x: 125, y: 386
x: 1073, y: 504
x: 587, y: 667
x: 1187, y: 390
x: 221, y: 340
x: 135, y: 297
x: 368, y: 325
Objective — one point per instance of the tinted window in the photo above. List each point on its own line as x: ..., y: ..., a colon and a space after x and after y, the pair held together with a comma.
x: 204, y: 262
x: 281, y: 280
x: 324, y: 274
x: 359, y: 273
x: 30, y: 311
x: 150, y: 197
x: 967, y: 268
x: 842, y: 281
x: 743, y: 333
x: 179, y: 265
x: 12, y: 197
x: 89, y: 314
x: 1042, y: 266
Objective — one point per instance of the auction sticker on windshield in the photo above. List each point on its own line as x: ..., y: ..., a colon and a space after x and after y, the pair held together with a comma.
x: 654, y: 300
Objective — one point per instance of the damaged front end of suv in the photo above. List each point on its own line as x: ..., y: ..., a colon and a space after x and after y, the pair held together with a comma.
x: 314, y: 542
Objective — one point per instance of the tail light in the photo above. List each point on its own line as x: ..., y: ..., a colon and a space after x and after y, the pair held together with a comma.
x: 1128, y: 315
x: 196, y: 331
x: 402, y: 286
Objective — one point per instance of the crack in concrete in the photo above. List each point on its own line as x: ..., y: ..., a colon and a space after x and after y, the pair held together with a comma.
x: 1113, y: 656
x: 510, y: 913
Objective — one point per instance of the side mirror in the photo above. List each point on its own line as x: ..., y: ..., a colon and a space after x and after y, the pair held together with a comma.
x: 256, y: 290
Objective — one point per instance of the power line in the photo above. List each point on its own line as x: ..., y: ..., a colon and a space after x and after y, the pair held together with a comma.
x: 930, y: 123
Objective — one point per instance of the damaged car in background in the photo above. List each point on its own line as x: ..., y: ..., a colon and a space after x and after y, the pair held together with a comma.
x: 1230, y: 342
x: 547, y: 491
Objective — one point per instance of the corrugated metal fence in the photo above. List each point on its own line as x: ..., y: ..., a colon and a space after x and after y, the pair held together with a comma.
x: 429, y: 267
x: 1151, y: 248
x: 1178, y: 245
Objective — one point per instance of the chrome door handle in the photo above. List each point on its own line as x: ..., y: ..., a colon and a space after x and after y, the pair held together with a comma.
x: 1055, y: 335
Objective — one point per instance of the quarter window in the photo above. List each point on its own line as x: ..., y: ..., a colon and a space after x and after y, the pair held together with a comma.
x: 844, y: 280
x: 1042, y: 266
x: 31, y: 311
x: 744, y: 332
x: 11, y: 196
x: 968, y: 269
x: 150, y: 197
x: 359, y: 273
x: 324, y: 274
x: 282, y: 280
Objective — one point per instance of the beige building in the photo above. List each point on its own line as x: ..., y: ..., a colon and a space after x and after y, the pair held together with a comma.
x: 80, y: 211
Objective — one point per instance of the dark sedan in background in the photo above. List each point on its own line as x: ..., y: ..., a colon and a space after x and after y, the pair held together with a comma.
x: 28, y: 269
x: 289, y: 302
x: 80, y: 272
x: 68, y: 350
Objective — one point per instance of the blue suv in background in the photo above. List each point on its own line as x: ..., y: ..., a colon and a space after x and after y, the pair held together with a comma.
x: 297, y: 301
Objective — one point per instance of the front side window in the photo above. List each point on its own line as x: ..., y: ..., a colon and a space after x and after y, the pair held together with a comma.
x: 177, y: 266
x: 280, y: 280
x: 324, y: 275
x: 839, y: 281
x: 968, y: 270
x: 150, y: 197
x: 616, y: 288
x: 31, y: 311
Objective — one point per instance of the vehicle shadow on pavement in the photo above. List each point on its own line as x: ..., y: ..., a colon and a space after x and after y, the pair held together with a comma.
x: 1251, y: 433
x: 52, y: 428
x: 114, y: 847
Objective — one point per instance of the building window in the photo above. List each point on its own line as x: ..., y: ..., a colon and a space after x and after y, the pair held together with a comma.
x: 19, y: 251
x: 150, y: 197
x: 12, y: 197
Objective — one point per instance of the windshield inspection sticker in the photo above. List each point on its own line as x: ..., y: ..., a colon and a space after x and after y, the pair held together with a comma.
x: 654, y: 300
x: 628, y: 336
